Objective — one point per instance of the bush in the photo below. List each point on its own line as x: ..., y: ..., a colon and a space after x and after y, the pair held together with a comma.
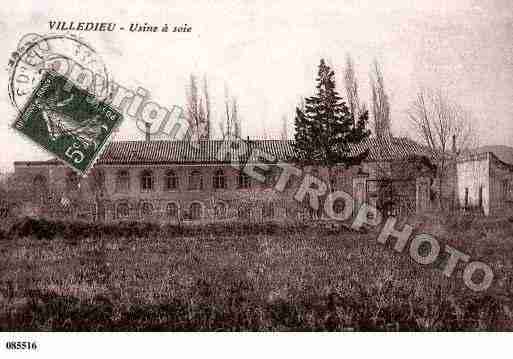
x: 45, y: 229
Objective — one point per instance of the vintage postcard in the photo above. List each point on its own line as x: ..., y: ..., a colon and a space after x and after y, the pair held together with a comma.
x: 241, y: 166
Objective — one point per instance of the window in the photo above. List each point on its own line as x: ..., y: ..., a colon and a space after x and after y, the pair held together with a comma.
x: 292, y: 212
x: 271, y: 178
x: 244, y: 181
x: 506, y: 190
x: 196, y: 211
x: 4, y: 210
x: 334, y: 180
x: 97, y: 180
x: 172, y: 210
x: 123, y: 210
x: 220, y: 210
x: 480, y: 197
x: 196, y: 181
x: 466, y: 197
x: 39, y: 183
x: 40, y: 188
x: 72, y: 181
x: 123, y: 181
x: 219, y: 180
x: 244, y: 212
x: 146, y: 209
x: 170, y: 181
x: 146, y: 180
x: 268, y: 210
x: 339, y: 205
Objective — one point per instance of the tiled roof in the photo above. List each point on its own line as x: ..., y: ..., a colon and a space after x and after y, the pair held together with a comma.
x: 155, y: 152
x: 395, y: 148
x: 185, y: 152
x: 206, y: 151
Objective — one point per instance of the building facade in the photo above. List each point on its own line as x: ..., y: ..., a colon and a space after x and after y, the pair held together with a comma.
x: 484, y: 183
x: 174, y: 181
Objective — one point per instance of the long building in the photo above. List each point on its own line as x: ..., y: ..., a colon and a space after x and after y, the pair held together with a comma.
x: 174, y: 181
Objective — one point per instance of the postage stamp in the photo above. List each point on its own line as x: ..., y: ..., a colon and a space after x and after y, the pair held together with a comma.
x: 67, y: 121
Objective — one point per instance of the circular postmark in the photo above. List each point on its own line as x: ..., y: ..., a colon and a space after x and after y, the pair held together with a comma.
x: 63, y: 53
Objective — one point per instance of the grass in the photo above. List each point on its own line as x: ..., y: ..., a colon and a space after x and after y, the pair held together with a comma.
x: 253, y: 280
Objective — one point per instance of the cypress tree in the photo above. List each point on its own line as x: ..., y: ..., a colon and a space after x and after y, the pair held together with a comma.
x: 325, y: 127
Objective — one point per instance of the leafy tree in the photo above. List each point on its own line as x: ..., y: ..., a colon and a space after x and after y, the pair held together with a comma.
x: 325, y: 127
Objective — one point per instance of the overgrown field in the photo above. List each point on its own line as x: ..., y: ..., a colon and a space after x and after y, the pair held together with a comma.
x: 271, y: 278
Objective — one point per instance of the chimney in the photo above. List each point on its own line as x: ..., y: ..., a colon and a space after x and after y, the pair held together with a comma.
x: 148, y: 137
x: 454, y: 144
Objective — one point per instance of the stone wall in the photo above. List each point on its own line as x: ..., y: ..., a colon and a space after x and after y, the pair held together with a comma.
x: 473, y: 187
x: 501, y: 188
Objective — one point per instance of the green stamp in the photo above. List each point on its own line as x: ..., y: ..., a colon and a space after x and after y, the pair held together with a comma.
x: 67, y: 121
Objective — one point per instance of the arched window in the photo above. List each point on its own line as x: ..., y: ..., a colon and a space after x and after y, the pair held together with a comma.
x: 172, y: 210
x: 195, y: 180
x: 146, y: 210
x: 220, y: 210
x: 219, y: 180
x: 170, y: 181
x: 268, y: 210
x: 123, y: 210
x: 4, y: 209
x: 196, y: 211
x: 244, y: 181
x: 339, y: 205
x: 39, y: 183
x: 292, y: 212
x: 146, y: 180
x: 244, y: 212
x: 122, y: 181
x: 72, y: 181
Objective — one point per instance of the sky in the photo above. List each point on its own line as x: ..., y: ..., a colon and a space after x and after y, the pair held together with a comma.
x: 267, y: 53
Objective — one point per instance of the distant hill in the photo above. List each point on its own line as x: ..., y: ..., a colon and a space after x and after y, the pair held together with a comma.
x: 504, y: 153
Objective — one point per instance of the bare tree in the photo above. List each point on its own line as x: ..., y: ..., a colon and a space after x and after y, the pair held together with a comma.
x: 284, y: 129
x: 444, y: 126
x: 380, y: 103
x: 207, y: 108
x: 198, y: 109
x: 235, y: 118
x: 3, y: 180
x: 231, y: 124
x: 302, y: 104
x: 351, y: 83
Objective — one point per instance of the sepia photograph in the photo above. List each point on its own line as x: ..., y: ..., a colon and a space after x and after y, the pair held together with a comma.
x: 243, y: 166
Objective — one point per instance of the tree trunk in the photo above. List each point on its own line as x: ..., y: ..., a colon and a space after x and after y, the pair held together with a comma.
x: 440, y: 189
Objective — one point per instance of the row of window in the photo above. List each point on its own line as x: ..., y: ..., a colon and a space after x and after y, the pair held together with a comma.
x: 172, y: 181
x: 195, y: 211
x: 147, y: 181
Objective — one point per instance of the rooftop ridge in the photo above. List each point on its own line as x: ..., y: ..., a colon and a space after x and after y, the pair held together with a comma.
x: 180, y: 151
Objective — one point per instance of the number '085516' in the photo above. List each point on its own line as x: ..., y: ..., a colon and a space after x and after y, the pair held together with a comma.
x: 14, y: 345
